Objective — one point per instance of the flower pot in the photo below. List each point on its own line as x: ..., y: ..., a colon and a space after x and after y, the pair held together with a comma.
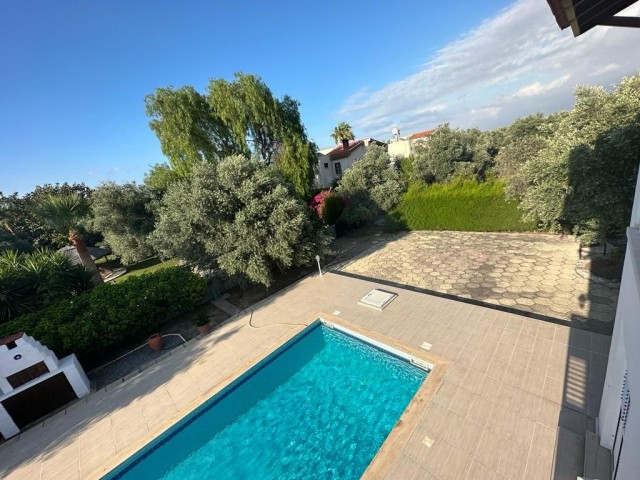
x: 155, y: 341
x: 204, y: 329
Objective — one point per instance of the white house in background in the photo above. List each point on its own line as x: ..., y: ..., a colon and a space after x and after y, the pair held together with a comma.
x: 34, y: 382
x: 405, y: 146
x: 334, y: 161
x: 619, y: 416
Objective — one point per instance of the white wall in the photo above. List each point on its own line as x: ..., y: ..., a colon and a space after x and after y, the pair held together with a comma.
x: 326, y: 176
x: 400, y: 147
x: 624, y: 355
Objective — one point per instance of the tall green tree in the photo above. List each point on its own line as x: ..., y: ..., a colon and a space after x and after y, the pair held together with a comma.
x: 238, y: 218
x: 584, y: 178
x: 64, y: 213
x: 342, y: 131
x: 122, y: 214
x: 372, y: 185
x: 188, y: 128
x: 240, y: 117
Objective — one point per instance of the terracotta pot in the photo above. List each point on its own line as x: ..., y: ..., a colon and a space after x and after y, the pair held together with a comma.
x: 204, y: 329
x: 155, y: 341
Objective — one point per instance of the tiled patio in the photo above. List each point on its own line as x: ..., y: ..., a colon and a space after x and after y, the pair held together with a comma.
x: 515, y: 403
x: 530, y: 272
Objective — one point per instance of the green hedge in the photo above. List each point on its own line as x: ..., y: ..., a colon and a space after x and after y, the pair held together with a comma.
x: 463, y: 205
x: 111, y: 314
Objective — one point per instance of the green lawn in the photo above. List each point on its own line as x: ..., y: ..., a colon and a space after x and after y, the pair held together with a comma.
x: 146, y: 266
x: 465, y: 206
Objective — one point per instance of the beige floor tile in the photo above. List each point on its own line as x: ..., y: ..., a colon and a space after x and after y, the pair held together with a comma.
x: 405, y: 468
x: 462, y: 402
x: 490, y: 449
x: 514, y: 375
x: 480, y: 411
x: 497, y: 368
x: 544, y: 442
x: 456, y: 374
x: 478, y: 471
x: 445, y: 394
x: 520, y: 357
x: 513, y: 462
x: 537, y: 468
x: 458, y: 465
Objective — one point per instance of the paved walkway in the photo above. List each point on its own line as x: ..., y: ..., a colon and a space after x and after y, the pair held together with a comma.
x: 530, y: 272
x: 515, y: 402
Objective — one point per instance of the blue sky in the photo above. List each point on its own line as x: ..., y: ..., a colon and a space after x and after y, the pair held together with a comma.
x: 74, y: 74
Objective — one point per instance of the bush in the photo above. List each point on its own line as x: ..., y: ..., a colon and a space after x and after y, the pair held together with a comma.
x: 332, y: 209
x: 238, y: 217
x: 31, y: 281
x: 111, y: 314
x: 465, y: 206
x: 328, y: 205
x: 372, y: 185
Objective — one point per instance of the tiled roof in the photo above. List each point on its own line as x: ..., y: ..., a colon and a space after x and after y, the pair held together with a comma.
x: 417, y: 135
x: 340, y: 152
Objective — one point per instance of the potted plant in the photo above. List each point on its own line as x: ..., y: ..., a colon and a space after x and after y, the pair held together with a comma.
x: 155, y: 341
x: 202, y: 323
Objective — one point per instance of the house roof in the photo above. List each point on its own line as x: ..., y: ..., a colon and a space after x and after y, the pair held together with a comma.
x: 95, y: 252
x: 341, y: 152
x: 582, y: 15
x: 425, y: 133
x: 11, y: 338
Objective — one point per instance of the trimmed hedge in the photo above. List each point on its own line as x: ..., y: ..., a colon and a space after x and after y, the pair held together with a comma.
x: 463, y: 205
x: 111, y: 314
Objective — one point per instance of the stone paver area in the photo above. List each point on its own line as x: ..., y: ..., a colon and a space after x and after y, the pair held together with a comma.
x: 517, y: 397
x: 530, y: 272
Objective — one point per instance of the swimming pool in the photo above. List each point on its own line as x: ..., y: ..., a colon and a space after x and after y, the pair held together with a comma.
x: 320, y: 406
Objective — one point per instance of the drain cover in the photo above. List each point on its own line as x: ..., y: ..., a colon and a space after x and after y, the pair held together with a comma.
x: 377, y: 299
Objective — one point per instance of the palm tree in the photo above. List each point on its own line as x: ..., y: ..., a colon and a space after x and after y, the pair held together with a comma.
x: 63, y: 213
x: 342, y: 131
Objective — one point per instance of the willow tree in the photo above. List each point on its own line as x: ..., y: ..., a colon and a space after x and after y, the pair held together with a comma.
x: 240, y: 117
x: 188, y: 128
x: 64, y: 213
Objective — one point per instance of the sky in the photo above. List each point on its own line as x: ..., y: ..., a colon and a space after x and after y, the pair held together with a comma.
x: 74, y: 73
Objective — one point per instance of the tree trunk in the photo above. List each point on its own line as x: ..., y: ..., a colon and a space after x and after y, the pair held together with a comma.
x: 85, y: 257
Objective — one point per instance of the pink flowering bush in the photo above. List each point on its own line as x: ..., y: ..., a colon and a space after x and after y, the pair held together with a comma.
x: 328, y: 205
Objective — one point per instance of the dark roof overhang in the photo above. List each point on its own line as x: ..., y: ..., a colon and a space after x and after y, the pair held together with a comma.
x: 583, y: 15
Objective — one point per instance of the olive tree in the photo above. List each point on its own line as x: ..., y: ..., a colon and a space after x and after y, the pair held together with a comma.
x: 237, y: 217
x: 122, y: 214
x: 371, y: 185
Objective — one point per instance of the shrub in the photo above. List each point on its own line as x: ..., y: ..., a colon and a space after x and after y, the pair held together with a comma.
x: 466, y: 205
x: 240, y: 218
x: 31, y: 281
x: 328, y: 205
x: 371, y: 185
x: 332, y: 209
x: 111, y: 314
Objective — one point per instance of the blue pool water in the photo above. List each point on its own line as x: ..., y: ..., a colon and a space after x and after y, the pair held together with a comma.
x: 319, y: 407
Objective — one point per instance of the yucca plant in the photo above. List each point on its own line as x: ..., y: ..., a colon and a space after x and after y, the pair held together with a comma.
x: 30, y: 281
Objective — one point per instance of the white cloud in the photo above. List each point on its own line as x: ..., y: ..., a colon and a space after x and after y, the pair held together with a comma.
x: 513, y: 64
x: 538, y: 88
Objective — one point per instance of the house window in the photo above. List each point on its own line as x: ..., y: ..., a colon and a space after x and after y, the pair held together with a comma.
x: 338, y: 168
x: 326, y: 165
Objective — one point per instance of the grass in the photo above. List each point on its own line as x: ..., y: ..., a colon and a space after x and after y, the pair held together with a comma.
x: 146, y: 266
x: 464, y: 206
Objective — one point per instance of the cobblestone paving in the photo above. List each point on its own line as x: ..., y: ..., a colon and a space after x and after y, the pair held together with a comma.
x: 530, y: 272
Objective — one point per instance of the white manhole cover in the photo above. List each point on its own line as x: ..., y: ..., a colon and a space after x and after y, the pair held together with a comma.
x: 377, y: 299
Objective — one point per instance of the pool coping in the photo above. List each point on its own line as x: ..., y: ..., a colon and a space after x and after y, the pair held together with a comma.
x: 390, y: 449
